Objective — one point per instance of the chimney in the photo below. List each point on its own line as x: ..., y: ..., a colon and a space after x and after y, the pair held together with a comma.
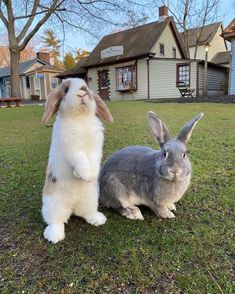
x: 163, y: 13
x: 45, y: 56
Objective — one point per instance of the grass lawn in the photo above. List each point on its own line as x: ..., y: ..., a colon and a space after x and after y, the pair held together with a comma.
x: 192, y: 253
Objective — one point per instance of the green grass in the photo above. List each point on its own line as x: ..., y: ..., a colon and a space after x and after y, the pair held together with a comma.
x: 192, y: 253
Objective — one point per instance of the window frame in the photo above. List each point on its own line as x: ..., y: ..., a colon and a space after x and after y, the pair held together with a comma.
x: 178, y: 65
x: 163, y: 46
x: 130, y: 89
x: 56, y: 82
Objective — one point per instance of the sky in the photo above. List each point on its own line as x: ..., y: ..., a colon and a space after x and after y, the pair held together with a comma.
x: 77, y: 39
x: 84, y: 41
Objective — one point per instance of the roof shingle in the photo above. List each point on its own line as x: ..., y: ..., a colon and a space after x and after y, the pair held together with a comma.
x: 221, y: 57
x: 136, y: 42
x: 5, y: 71
x: 207, y: 34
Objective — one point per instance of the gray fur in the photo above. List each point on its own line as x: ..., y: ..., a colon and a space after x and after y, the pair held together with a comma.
x: 139, y: 175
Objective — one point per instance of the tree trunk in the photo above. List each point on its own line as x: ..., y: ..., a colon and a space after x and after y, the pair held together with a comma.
x: 15, y: 73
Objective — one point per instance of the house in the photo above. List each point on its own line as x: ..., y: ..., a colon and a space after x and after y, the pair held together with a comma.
x: 222, y: 58
x: 201, y: 36
x: 229, y: 35
x: 146, y: 62
x: 37, y: 78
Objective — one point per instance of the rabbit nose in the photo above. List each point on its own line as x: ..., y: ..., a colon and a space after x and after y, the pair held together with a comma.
x: 82, y: 96
x: 171, y: 171
x: 176, y: 172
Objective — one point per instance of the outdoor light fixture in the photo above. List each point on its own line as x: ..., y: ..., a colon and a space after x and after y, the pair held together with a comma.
x: 205, y: 88
x: 207, y: 46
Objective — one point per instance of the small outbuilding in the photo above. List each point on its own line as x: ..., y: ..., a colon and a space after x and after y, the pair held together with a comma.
x: 37, y: 78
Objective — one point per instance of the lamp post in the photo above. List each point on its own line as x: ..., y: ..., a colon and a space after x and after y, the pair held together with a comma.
x: 207, y: 46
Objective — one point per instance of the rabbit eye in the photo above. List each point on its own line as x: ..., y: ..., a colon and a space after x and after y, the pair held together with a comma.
x: 164, y: 153
x: 184, y: 154
x: 66, y: 89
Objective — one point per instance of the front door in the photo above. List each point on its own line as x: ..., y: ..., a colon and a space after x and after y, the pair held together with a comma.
x: 103, y: 79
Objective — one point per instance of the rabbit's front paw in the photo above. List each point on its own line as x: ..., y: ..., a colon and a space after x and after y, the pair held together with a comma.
x: 96, y: 219
x: 85, y: 175
x: 164, y: 212
x: 54, y: 233
x: 132, y: 213
x: 171, y: 206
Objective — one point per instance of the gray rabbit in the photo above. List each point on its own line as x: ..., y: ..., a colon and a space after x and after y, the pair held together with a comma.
x: 139, y: 175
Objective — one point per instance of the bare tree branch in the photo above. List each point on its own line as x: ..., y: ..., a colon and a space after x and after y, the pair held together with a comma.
x: 38, y: 25
x: 2, y: 17
x: 29, y: 22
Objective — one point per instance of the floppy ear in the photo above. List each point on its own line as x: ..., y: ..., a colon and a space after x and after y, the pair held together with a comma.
x: 102, y: 109
x: 158, y: 128
x: 187, y: 129
x: 54, y: 99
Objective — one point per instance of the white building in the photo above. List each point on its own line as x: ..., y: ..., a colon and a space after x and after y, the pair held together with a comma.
x: 146, y: 62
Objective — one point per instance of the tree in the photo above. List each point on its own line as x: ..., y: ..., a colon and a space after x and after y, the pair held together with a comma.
x: 69, y: 61
x: 28, y: 53
x: 4, y: 56
x: 134, y: 20
x: 53, y: 43
x: 23, y: 19
x: 79, y: 54
x: 194, y: 14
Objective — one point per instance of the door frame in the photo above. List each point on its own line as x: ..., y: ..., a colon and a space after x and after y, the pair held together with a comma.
x: 105, y: 88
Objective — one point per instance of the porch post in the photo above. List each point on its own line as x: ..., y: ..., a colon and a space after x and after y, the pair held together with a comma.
x: 148, y: 82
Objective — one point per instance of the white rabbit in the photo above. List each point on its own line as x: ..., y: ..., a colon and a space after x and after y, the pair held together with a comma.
x: 75, y: 155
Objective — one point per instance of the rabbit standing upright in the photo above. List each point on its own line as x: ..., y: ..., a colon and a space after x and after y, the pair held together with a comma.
x: 74, y: 160
x: 139, y: 175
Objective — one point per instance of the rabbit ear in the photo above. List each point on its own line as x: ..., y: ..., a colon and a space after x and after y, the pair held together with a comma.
x: 54, y: 99
x: 158, y: 128
x: 102, y: 109
x: 187, y: 129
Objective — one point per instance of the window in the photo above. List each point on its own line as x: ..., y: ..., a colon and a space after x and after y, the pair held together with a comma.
x: 162, y: 49
x: 37, y: 83
x: 173, y: 52
x: 27, y: 83
x: 126, y: 78
x: 54, y: 82
x: 183, y: 74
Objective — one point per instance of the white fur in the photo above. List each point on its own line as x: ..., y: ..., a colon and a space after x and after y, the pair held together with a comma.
x: 74, y: 161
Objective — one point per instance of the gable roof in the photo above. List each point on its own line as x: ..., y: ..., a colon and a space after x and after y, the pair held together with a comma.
x: 221, y: 57
x: 76, y: 70
x: 136, y: 42
x: 229, y: 32
x: 207, y: 34
x: 45, y: 68
x: 6, y: 71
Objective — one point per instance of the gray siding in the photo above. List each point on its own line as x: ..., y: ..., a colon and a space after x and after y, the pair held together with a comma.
x: 215, y: 79
x: 3, y: 86
x: 232, y: 70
